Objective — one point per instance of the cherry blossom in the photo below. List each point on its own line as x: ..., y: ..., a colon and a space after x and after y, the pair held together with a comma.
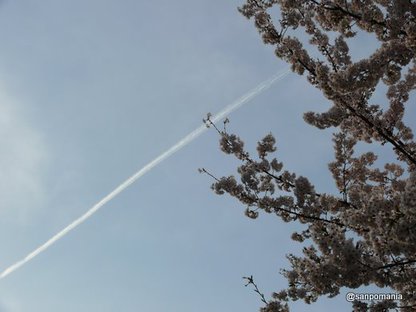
x: 366, y: 234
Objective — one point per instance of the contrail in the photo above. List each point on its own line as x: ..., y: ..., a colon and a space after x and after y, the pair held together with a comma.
x: 179, y: 145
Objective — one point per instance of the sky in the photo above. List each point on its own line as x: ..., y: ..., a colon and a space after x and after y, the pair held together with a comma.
x: 90, y: 92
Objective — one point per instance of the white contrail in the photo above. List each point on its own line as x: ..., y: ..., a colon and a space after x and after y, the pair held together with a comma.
x: 185, y: 141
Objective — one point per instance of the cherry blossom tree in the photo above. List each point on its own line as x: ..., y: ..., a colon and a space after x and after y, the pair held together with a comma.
x: 366, y: 234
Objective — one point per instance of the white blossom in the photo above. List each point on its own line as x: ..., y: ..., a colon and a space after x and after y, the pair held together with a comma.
x: 366, y: 234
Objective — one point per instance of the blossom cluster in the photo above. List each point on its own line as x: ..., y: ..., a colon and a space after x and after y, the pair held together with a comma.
x: 366, y: 234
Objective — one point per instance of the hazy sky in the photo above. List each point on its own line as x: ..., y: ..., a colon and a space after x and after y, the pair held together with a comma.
x: 90, y: 91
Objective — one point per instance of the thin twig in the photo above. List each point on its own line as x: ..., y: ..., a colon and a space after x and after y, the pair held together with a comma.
x: 250, y: 281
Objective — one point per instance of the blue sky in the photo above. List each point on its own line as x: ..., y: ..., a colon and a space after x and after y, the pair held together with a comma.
x: 90, y: 91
